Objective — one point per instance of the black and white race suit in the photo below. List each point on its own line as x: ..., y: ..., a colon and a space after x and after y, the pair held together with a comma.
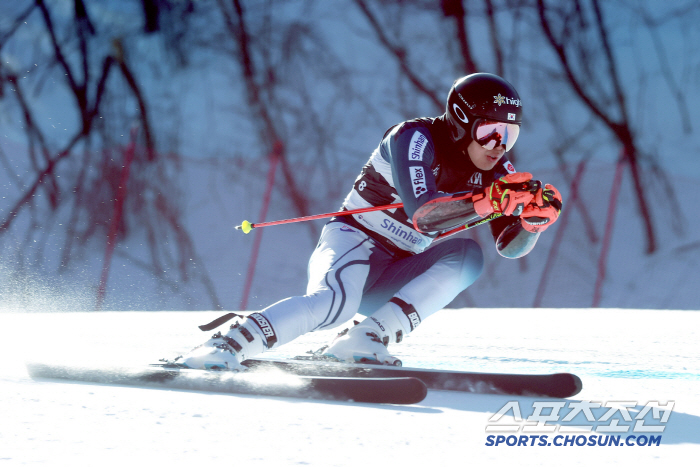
x: 377, y: 259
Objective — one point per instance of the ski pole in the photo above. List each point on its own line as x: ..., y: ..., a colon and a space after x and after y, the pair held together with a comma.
x: 246, y: 226
x: 461, y: 228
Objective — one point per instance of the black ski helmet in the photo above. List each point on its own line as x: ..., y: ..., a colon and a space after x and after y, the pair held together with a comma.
x: 481, y: 95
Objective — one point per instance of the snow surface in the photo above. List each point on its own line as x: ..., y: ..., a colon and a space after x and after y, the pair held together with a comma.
x: 621, y: 355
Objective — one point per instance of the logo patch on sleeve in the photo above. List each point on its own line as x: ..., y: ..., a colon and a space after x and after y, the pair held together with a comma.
x: 418, y: 180
x: 417, y: 146
x: 509, y: 167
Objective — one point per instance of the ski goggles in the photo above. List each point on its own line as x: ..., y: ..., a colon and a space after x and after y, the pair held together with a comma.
x: 490, y: 134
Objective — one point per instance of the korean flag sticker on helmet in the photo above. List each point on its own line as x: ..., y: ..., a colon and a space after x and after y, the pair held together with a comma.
x: 511, y: 116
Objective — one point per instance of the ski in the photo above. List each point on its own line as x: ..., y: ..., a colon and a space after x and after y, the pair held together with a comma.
x: 381, y: 390
x: 558, y: 385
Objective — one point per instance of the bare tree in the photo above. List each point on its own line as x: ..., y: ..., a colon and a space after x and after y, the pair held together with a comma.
x: 280, y: 63
x: 292, y: 83
x: 81, y: 173
x: 260, y: 98
x: 455, y: 9
x: 578, y: 33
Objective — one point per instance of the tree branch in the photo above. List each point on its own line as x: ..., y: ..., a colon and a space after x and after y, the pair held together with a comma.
x: 400, y: 54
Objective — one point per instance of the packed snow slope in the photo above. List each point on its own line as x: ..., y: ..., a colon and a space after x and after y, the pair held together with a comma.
x: 622, y: 356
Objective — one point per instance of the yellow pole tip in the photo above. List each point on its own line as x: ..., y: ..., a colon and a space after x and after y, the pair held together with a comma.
x: 245, y: 226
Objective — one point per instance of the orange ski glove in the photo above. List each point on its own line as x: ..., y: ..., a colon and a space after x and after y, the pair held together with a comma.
x: 508, y: 195
x: 543, y: 211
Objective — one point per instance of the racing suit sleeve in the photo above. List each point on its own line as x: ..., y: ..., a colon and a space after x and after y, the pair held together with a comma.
x: 412, y: 155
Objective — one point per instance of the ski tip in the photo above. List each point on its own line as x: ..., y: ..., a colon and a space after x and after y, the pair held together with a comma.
x: 568, y: 385
x: 421, y: 391
x: 578, y: 384
x: 412, y: 391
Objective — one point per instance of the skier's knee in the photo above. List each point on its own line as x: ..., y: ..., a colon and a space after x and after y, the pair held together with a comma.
x: 471, y: 261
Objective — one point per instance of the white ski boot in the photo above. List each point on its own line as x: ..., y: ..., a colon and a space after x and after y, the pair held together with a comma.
x: 226, y: 351
x: 367, y: 341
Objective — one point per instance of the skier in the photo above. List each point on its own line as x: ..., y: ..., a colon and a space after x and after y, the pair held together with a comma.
x: 448, y: 171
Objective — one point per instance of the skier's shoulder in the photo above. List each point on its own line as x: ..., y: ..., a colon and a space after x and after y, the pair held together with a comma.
x: 410, y: 142
x: 424, y: 125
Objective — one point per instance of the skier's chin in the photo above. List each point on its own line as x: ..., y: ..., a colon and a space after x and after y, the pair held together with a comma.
x: 488, y: 162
